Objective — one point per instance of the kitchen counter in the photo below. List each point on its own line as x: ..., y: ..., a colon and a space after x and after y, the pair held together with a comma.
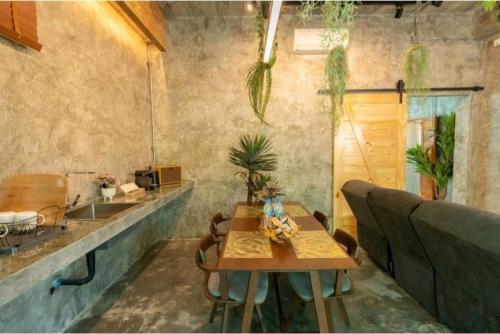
x: 21, y: 271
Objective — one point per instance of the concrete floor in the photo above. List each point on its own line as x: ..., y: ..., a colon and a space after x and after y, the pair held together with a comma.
x: 162, y: 293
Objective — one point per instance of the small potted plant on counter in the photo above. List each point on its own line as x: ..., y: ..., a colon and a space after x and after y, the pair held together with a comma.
x: 107, y: 183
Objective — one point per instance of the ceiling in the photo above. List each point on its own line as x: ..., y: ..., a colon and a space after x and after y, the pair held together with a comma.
x: 240, y: 8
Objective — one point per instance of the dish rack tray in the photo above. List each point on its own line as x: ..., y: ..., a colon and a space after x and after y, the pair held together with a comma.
x: 27, y: 233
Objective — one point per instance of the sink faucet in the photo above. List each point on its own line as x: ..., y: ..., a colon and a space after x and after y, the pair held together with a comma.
x: 77, y: 197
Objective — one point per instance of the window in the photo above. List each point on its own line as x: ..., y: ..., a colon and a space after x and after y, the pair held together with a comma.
x: 18, y: 23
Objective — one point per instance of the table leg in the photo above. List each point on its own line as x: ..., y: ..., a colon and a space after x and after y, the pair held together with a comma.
x: 318, y: 302
x: 249, y: 303
x: 225, y: 296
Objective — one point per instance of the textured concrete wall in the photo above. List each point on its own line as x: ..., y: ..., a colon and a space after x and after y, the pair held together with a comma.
x: 39, y: 311
x: 485, y: 160
x: 82, y: 103
x: 208, y: 109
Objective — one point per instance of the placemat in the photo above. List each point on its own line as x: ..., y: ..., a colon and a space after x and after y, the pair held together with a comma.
x: 245, y: 211
x: 316, y: 245
x: 244, y: 244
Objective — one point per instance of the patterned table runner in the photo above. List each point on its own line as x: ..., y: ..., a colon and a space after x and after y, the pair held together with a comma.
x: 244, y: 244
x: 245, y: 211
x: 316, y: 244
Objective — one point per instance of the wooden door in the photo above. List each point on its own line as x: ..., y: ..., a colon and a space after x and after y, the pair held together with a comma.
x: 370, y: 144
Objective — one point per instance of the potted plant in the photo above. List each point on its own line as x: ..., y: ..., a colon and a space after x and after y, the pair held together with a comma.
x: 440, y: 170
x: 255, y: 156
x: 107, y: 183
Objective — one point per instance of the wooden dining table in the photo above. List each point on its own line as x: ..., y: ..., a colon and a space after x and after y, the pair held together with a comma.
x: 312, y: 249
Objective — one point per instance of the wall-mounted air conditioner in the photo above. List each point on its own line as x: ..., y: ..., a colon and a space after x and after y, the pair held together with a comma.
x: 316, y: 42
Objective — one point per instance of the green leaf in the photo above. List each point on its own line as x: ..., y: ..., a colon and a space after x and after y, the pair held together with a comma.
x: 254, y: 154
x: 488, y: 5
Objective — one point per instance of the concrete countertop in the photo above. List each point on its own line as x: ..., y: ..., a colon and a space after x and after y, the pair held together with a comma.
x: 21, y: 271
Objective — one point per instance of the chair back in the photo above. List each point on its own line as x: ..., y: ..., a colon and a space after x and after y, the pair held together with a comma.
x: 322, y: 218
x: 350, y: 244
x: 216, y: 219
x: 201, y: 253
x: 201, y: 260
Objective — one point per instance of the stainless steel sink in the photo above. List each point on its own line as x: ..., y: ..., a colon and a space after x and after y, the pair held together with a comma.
x: 97, y: 211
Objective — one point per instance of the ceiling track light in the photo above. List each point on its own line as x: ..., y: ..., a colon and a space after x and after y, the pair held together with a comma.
x: 271, y: 29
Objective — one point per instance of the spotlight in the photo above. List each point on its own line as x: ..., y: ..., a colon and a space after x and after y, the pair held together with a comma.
x: 250, y: 6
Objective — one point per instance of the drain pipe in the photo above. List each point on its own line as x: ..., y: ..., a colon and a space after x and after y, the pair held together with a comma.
x: 58, y: 282
x: 151, y: 108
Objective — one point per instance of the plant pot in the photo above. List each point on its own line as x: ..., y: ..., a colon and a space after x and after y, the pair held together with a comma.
x: 108, y: 193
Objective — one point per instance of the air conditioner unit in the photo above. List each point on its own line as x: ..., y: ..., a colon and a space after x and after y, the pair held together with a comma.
x: 316, y: 42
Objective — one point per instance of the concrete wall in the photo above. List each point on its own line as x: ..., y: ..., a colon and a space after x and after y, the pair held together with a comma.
x: 81, y: 103
x: 485, y: 160
x: 208, y: 109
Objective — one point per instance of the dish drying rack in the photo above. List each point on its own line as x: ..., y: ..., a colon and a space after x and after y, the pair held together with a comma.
x: 27, y: 233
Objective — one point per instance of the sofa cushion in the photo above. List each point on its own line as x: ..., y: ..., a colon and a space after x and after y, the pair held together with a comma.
x: 412, y: 269
x: 370, y: 235
x: 463, y: 245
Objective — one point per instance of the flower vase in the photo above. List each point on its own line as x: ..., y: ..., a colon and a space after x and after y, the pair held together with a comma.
x: 108, y: 193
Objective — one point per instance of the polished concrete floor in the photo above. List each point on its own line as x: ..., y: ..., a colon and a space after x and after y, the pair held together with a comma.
x: 162, y: 293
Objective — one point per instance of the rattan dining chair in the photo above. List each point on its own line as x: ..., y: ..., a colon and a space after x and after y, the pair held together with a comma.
x: 322, y: 218
x: 335, y: 284
x: 237, y: 283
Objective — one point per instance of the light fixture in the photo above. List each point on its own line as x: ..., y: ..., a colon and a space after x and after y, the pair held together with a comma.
x: 271, y: 29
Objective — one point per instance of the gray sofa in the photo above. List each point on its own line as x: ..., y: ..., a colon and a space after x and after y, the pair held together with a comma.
x: 463, y: 245
x: 446, y: 256
x: 370, y: 235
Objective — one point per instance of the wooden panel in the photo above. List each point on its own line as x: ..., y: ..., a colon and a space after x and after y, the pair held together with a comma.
x: 429, y: 126
x: 147, y: 17
x: 6, y: 20
x: 370, y: 144
x: 34, y: 192
x: 20, y: 25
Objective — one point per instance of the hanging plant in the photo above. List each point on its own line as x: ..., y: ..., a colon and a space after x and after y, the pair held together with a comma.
x: 416, y: 64
x: 416, y: 71
x: 259, y: 76
x: 338, y: 17
x: 490, y: 5
x: 336, y: 73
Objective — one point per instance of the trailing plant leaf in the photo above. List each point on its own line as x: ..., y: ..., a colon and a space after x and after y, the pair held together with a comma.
x: 440, y: 170
x: 416, y: 71
x: 338, y: 18
x: 488, y: 5
x: 255, y: 156
x: 336, y: 73
x: 305, y: 13
x: 259, y: 76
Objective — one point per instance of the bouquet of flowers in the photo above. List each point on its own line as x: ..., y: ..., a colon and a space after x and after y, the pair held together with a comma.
x: 107, y: 181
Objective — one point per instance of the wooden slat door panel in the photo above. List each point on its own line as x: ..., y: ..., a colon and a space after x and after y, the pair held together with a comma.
x: 370, y: 144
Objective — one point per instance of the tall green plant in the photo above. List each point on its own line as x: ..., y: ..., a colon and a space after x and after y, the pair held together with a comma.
x: 440, y: 170
x: 338, y: 18
x: 259, y: 76
x: 255, y: 156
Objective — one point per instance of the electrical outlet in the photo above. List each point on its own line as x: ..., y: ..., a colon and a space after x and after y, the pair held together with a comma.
x: 496, y: 43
